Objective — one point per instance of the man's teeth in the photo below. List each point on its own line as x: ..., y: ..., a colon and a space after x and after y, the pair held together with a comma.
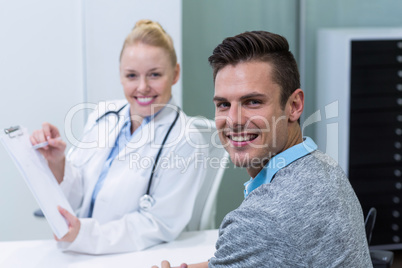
x: 144, y: 99
x: 243, y: 138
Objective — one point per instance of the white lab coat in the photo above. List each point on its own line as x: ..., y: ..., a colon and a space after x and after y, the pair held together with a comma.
x: 118, y: 224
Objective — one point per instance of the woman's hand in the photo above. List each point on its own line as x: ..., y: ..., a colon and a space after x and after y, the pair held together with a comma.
x: 54, y: 152
x: 74, y: 226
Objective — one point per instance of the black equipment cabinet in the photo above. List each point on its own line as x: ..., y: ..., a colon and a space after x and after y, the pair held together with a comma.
x: 360, y: 70
x: 375, y: 144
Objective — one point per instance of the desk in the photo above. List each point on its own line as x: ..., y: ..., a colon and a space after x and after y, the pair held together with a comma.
x: 189, y: 247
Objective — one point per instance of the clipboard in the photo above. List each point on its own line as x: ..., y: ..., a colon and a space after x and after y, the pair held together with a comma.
x: 38, y: 176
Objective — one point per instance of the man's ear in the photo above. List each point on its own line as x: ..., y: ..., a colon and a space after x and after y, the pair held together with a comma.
x: 296, y: 105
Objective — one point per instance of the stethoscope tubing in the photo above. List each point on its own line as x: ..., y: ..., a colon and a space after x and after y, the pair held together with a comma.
x: 112, y: 112
x: 160, y: 151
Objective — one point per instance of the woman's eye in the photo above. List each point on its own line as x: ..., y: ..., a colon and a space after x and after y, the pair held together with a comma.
x: 155, y: 74
x: 131, y: 75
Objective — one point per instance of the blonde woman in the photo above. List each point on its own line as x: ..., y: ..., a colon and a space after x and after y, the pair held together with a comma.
x: 123, y: 199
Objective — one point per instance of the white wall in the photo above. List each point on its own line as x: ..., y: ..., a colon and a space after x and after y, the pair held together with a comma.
x: 40, y: 79
x: 53, y: 56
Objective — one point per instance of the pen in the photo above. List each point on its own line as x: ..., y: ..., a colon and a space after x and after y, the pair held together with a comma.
x: 42, y: 144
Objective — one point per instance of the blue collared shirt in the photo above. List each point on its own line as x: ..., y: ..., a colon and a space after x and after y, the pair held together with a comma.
x: 124, y: 137
x: 279, y: 161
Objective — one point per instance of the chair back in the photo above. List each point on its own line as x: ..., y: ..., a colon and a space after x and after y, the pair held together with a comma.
x: 379, y: 258
x: 369, y: 223
x: 204, y: 211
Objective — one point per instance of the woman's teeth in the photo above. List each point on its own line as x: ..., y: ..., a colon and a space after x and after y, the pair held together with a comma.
x: 144, y: 100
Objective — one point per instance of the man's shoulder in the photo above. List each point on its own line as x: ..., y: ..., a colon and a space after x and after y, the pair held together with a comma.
x: 316, y: 160
x: 314, y: 166
x: 314, y: 176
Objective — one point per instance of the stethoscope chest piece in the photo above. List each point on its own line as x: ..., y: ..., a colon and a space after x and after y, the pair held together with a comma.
x: 146, y: 202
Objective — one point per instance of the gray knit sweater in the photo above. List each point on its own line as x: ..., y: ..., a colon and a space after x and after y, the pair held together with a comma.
x: 308, y: 216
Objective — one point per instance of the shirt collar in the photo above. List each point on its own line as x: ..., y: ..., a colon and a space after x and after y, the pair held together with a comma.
x: 279, y: 161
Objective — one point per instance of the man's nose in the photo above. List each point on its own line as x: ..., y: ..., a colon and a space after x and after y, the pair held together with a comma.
x: 236, y: 117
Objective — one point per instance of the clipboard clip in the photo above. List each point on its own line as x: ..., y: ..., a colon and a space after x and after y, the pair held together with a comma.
x: 13, y: 132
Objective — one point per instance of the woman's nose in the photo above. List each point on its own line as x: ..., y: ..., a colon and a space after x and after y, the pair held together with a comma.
x: 143, y: 85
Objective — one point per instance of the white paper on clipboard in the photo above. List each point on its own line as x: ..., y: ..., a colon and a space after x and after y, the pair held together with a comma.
x: 38, y: 177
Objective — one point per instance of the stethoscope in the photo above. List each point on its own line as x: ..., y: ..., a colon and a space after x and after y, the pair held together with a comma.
x: 116, y: 113
x: 146, y: 201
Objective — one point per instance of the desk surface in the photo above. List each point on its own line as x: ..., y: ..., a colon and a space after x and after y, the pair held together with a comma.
x: 190, y: 247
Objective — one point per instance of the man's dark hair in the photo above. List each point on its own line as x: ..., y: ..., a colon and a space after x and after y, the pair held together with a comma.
x: 260, y: 46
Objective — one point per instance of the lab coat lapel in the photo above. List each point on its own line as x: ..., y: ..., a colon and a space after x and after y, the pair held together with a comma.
x: 108, y: 132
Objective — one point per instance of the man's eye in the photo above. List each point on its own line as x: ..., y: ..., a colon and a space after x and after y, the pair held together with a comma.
x: 222, y: 105
x: 253, y: 102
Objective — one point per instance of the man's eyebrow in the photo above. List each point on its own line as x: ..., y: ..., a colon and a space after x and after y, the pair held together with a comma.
x: 252, y: 95
x: 217, y: 98
x: 245, y: 97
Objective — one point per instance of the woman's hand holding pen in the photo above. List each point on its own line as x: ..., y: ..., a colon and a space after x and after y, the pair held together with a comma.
x: 53, y: 151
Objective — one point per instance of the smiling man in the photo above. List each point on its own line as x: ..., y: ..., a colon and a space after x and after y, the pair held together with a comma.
x: 254, y: 123
x: 299, y: 208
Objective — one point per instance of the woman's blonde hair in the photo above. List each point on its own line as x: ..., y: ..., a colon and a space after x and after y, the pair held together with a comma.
x: 151, y: 33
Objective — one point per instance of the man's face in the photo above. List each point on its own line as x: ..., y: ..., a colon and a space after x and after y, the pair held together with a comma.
x: 253, y: 127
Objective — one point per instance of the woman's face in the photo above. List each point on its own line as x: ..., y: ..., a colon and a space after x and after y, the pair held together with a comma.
x: 147, y: 76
